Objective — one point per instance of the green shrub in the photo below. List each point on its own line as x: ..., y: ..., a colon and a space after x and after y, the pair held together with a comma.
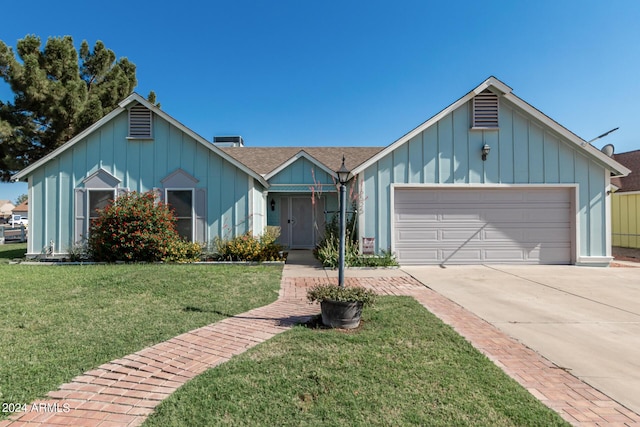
x: 332, y: 228
x: 247, y: 247
x: 78, y: 252
x: 328, y: 253
x: 384, y: 259
x: 181, y: 251
x: 331, y: 292
x: 135, y: 228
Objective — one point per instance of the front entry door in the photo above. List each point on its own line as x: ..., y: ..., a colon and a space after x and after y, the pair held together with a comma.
x: 301, y: 221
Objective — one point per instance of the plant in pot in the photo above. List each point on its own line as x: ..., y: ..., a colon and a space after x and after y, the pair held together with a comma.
x: 341, y: 307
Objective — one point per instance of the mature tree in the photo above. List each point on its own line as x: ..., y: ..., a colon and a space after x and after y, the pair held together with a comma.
x: 21, y: 198
x: 58, y: 93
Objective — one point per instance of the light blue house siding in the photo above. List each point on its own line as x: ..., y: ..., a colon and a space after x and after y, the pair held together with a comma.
x: 523, y: 151
x: 232, y: 200
x: 301, y: 186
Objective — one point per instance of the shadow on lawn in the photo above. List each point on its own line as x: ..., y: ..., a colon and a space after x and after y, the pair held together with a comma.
x: 8, y: 251
x: 280, y: 321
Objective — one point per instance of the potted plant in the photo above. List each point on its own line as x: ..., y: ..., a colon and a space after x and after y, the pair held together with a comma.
x: 341, y: 307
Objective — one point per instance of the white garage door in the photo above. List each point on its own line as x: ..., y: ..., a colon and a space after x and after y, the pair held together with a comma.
x: 483, y: 226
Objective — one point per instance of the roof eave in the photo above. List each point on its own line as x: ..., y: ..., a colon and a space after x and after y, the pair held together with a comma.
x: 24, y: 173
x: 616, y: 168
x: 134, y: 97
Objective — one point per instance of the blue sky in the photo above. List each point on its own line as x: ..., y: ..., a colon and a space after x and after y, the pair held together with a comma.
x: 355, y: 73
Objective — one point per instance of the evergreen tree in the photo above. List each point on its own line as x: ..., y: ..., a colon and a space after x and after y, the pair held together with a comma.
x: 58, y: 92
x: 21, y: 198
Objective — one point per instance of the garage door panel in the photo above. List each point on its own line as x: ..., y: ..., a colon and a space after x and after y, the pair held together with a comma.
x: 417, y: 215
x: 504, y: 255
x: 532, y: 214
x: 462, y: 255
x: 427, y: 256
x: 518, y: 226
x: 464, y: 234
x: 460, y: 216
x: 535, y: 233
x: 560, y: 195
x: 418, y: 235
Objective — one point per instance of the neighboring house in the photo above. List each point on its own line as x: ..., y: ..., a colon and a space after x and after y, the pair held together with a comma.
x: 22, y: 209
x: 625, y: 203
x: 6, y: 208
x: 537, y: 194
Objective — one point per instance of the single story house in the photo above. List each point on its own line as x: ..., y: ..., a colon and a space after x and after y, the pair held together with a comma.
x: 625, y: 203
x: 489, y: 179
x: 6, y: 208
x: 22, y: 209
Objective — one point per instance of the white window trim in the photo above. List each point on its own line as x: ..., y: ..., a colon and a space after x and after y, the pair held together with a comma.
x: 88, y: 208
x: 193, y: 206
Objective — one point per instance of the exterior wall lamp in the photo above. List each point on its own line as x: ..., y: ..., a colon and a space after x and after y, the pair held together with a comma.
x: 485, y: 151
x: 273, y: 205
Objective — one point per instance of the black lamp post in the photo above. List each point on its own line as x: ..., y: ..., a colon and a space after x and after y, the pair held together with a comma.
x: 343, y: 176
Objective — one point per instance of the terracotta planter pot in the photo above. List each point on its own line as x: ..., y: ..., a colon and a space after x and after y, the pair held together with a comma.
x: 340, y: 314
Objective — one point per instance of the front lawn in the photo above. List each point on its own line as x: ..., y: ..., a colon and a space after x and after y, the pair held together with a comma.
x: 404, y: 367
x: 57, y: 322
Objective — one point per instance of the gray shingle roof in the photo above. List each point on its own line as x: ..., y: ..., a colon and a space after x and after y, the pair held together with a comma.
x: 263, y: 160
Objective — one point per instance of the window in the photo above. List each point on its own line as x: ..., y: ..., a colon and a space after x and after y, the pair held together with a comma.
x: 485, y: 110
x: 181, y: 201
x: 140, y: 122
x: 98, y: 199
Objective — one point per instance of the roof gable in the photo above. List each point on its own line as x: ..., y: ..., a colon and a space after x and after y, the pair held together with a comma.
x: 504, y: 91
x: 267, y: 161
x: 131, y: 100
x: 296, y: 158
x: 301, y: 169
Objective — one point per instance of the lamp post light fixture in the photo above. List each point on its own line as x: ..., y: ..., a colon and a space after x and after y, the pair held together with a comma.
x: 343, y: 176
x: 485, y: 151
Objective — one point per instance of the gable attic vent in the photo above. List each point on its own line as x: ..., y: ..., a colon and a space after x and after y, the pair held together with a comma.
x: 140, y: 120
x: 485, y: 110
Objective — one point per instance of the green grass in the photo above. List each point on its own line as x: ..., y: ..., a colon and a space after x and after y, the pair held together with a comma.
x: 403, y: 367
x: 57, y: 322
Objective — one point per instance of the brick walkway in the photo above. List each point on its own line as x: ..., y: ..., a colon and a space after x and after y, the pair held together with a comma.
x: 125, y: 391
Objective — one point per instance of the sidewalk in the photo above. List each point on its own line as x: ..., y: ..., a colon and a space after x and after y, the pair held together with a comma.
x: 125, y: 391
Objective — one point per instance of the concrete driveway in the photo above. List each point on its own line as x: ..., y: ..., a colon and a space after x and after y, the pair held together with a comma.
x: 584, y: 319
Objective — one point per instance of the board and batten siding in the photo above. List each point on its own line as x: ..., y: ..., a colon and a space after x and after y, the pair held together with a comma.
x: 625, y: 222
x: 140, y: 165
x: 303, y: 173
x: 523, y: 151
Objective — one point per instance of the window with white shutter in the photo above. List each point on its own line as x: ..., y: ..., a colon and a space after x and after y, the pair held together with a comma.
x: 140, y: 122
x: 485, y: 110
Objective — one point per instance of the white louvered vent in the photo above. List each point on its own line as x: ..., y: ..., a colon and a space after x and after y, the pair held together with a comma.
x: 485, y: 110
x: 140, y: 120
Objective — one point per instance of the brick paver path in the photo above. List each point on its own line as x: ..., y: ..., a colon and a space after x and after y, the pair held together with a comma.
x: 125, y: 391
